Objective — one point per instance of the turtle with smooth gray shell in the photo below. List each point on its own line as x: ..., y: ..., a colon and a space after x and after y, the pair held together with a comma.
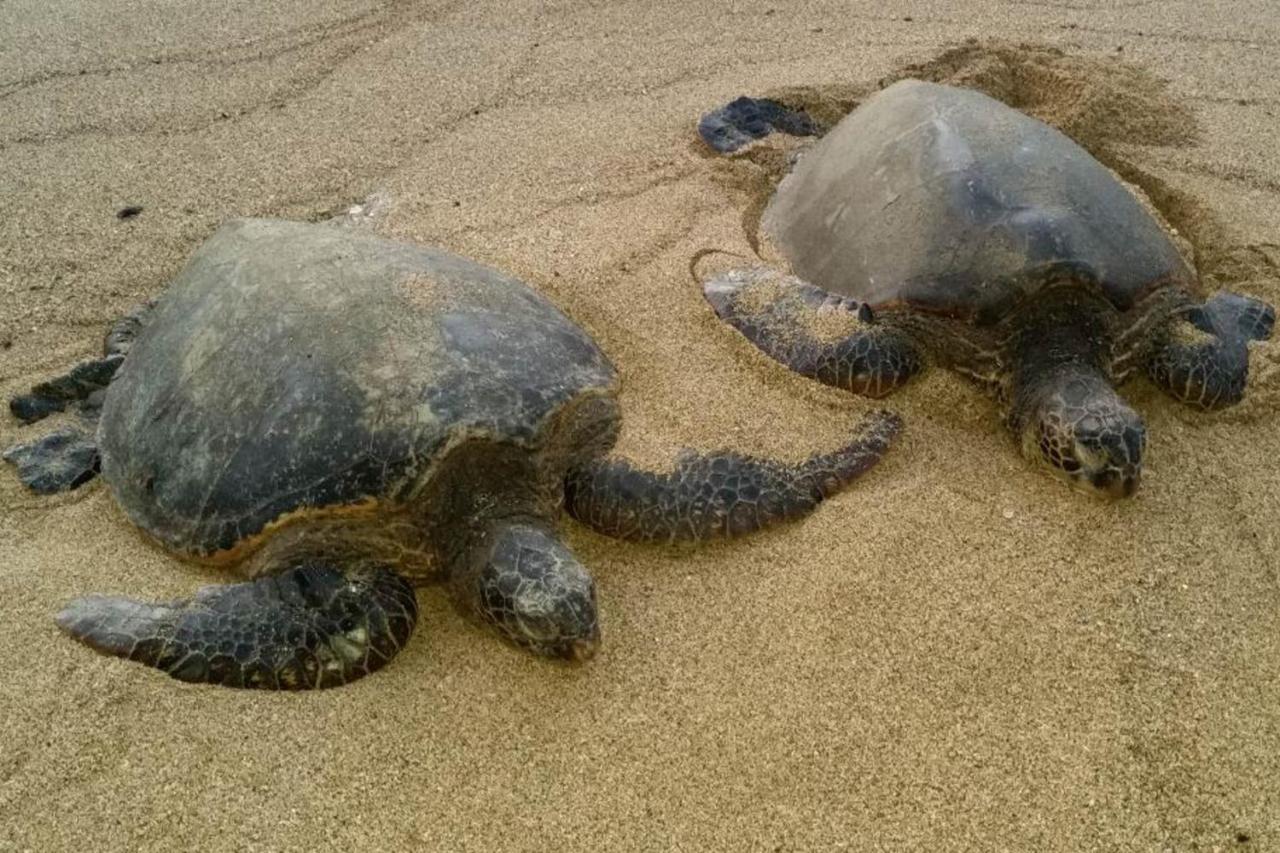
x: 934, y: 223
x: 340, y: 417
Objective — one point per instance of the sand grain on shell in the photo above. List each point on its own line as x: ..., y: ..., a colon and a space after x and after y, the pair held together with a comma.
x: 956, y: 654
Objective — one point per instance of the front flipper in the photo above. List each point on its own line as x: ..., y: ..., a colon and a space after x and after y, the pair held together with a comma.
x: 745, y: 120
x: 824, y: 337
x: 62, y: 460
x: 718, y: 494
x: 307, y: 627
x: 1205, y: 361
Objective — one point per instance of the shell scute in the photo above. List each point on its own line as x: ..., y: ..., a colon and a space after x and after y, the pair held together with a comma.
x: 292, y: 367
x: 946, y: 201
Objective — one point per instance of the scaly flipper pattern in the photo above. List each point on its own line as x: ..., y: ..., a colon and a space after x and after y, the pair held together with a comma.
x: 307, y: 627
x: 780, y: 314
x: 1211, y: 373
x: 719, y: 494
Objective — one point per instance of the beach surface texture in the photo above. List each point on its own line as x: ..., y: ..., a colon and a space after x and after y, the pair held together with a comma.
x: 958, y: 653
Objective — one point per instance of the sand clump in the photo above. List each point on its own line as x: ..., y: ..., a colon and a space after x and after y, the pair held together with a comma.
x: 1097, y: 101
x: 956, y: 654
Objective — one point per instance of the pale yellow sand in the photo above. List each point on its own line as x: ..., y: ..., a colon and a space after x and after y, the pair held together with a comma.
x: 957, y: 654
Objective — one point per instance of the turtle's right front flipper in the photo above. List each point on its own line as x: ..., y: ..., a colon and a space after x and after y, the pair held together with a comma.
x: 307, y: 627
x: 834, y: 341
x: 719, y: 494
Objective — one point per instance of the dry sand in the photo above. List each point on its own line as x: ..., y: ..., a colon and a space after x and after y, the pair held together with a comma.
x: 956, y: 654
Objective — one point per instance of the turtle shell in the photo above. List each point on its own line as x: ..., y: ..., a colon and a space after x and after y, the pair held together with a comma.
x: 293, y: 367
x: 946, y: 201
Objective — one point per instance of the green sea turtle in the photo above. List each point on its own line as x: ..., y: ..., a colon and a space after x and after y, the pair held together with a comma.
x: 339, y: 416
x: 941, y: 225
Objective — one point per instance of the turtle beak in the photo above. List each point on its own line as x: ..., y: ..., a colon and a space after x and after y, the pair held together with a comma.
x: 1129, y: 485
x: 1117, y: 484
x: 581, y: 651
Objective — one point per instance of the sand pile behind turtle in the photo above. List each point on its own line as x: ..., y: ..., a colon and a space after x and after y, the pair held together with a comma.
x: 1102, y: 103
x: 1097, y: 101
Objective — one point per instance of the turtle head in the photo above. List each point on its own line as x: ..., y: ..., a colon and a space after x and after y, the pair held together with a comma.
x: 1084, y: 431
x: 533, y: 590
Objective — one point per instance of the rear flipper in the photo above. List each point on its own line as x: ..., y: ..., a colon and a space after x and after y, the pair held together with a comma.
x: 824, y: 337
x: 745, y: 120
x: 82, y: 381
x: 79, y: 383
x: 307, y: 627
x: 123, y: 332
x: 68, y: 457
x: 1205, y: 361
x: 718, y: 494
x: 62, y: 460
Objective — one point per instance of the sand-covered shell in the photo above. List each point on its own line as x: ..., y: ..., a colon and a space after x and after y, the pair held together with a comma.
x: 294, y: 367
x: 943, y: 200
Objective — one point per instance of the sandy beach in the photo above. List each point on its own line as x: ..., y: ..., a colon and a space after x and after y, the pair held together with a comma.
x: 957, y: 653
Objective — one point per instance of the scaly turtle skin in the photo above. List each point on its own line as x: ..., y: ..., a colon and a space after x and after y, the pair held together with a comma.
x: 340, y: 417
x: 946, y: 226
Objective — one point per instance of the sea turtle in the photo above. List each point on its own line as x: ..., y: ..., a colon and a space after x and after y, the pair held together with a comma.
x: 936, y: 223
x: 339, y: 416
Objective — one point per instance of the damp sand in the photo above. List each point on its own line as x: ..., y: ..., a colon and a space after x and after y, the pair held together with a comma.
x: 956, y: 654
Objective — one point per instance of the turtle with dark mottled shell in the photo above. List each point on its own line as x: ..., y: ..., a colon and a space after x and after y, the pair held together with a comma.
x: 339, y: 416
x: 944, y: 225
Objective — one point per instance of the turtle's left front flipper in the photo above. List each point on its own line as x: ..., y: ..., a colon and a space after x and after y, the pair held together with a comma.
x: 313, y: 625
x: 719, y: 494
x: 1205, y: 360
